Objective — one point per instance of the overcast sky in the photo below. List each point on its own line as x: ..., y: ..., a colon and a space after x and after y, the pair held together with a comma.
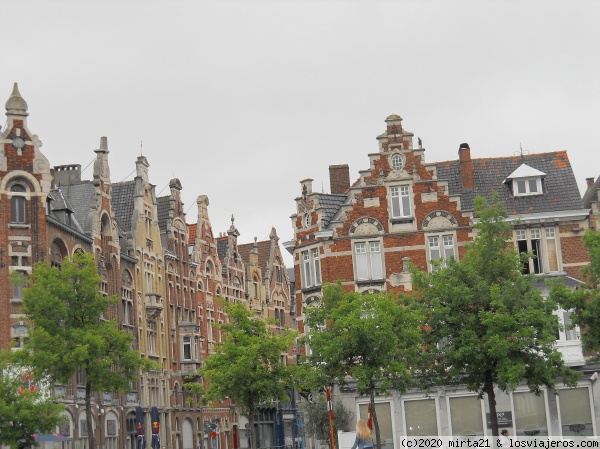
x: 241, y: 100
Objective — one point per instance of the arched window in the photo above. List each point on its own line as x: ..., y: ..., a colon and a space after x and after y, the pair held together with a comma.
x: 57, y: 253
x: 18, y: 204
x: 397, y: 161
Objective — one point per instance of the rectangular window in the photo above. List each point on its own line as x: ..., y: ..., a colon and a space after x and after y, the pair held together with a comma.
x: 383, y: 410
x: 400, y: 201
x: 575, y: 412
x: 17, y: 209
x: 527, y: 186
x: 421, y: 417
x: 311, y: 268
x: 19, y: 283
x: 440, y: 246
x: 187, y: 348
x: 543, y: 246
x: 465, y: 416
x: 368, y: 260
x: 530, y: 414
x: 570, y: 331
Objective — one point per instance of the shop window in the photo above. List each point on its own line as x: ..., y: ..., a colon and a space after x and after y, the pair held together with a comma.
x: 575, y: 412
x: 421, y: 417
x: 384, y: 418
x: 530, y: 414
x: 465, y: 416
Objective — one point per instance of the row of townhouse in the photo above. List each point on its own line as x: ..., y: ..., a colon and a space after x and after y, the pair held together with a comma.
x: 403, y: 209
x: 166, y: 272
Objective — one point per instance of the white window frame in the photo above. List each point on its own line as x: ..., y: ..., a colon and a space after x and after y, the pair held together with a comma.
x: 394, y: 158
x: 446, y: 248
x: 381, y: 400
x: 542, y: 235
x: 523, y: 186
x: 474, y: 397
x: 400, y: 201
x: 311, y: 268
x: 419, y: 397
x: 370, y: 254
x: 544, y: 394
x: 590, y: 402
x: 187, y: 342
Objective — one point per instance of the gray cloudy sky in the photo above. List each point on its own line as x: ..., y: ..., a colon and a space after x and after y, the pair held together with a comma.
x: 240, y: 100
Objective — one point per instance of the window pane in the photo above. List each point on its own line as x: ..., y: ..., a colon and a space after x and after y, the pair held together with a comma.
x: 384, y: 418
x: 362, y: 271
x: 570, y: 334
x: 521, y: 187
x: 530, y: 414
x: 533, y: 185
x: 575, y: 413
x: 396, y: 212
x: 421, y: 417
x: 376, y: 266
x: 465, y: 413
x: 552, y: 251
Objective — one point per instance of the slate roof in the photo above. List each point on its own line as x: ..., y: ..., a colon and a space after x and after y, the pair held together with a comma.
x: 163, y: 211
x: 80, y: 195
x: 264, y: 252
x: 559, y: 185
x: 122, y: 203
x: 222, y: 247
x: 330, y: 204
x: 60, y: 209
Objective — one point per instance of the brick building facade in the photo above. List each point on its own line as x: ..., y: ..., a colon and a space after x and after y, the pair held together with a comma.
x: 405, y: 210
x: 167, y: 273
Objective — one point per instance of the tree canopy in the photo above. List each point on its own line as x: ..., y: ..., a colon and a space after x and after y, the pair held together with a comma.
x: 247, y: 366
x: 69, y: 333
x: 487, y: 325
x: 373, y: 338
x: 24, y: 411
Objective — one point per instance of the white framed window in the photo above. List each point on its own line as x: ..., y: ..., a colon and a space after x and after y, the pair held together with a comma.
x: 368, y: 260
x: 187, y: 348
x: 18, y: 204
x: 527, y: 186
x: 420, y: 417
x: 466, y: 415
x: 311, y: 268
x: 384, y: 411
x: 575, y: 412
x: 543, y: 244
x: 400, y: 196
x: 397, y: 161
x: 440, y: 247
x: 530, y: 412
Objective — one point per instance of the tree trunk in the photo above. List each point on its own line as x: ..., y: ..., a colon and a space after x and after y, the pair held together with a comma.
x: 251, y: 425
x: 375, y: 421
x: 88, y: 415
x: 491, y: 394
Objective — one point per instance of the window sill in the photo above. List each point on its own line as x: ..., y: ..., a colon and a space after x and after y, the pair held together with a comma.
x: 313, y: 289
x: 400, y: 220
x: 16, y: 301
x: 19, y: 226
x: 370, y: 281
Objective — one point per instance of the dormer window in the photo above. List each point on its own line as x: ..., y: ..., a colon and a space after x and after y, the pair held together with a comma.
x: 526, y: 181
x: 527, y: 186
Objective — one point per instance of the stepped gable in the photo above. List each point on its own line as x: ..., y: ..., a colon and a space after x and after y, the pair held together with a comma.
x: 489, y: 174
x: 122, y: 203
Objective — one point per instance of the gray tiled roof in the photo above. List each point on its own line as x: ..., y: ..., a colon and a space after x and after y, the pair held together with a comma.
x: 122, y: 203
x: 222, y: 244
x: 559, y: 184
x: 62, y: 210
x: 330, y: 204
x: 163, y: 211
x: 80, y: 195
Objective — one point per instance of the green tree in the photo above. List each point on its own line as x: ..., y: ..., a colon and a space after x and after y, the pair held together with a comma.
x: 487, y: 324
x: 69, y: 332
x: 585, y: 301
x: 24, y: 412
x: 247, y: 364
x: 316, y: 418
x: 373, y: 338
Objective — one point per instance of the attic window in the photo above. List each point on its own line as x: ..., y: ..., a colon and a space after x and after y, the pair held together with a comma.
x: 527, y: 186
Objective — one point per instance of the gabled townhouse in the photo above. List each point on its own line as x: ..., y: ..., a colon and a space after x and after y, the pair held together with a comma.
x: 135, y: 206
x: 405, y: 210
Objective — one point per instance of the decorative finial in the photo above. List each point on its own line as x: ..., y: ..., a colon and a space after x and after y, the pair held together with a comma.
x: 232, y: 219
x: 15, y: 104
x: 420, y: 142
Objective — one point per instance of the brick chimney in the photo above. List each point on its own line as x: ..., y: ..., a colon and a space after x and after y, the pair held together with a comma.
x: 339, y: 178
x: 466, y: 165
